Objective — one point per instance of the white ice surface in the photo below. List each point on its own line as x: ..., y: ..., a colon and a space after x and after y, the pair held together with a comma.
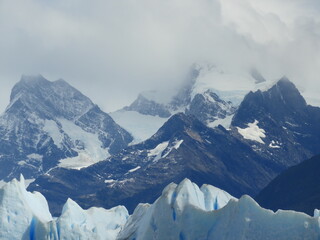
x: 26, y: 216
x: 183, y: 211
x: 186, y: 212
x: 94, y: 223
x: 253, y: 132
x: 139, y: 125
x: 19, y: 209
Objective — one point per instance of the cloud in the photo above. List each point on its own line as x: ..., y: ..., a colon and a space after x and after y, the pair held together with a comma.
x: 111, y: 50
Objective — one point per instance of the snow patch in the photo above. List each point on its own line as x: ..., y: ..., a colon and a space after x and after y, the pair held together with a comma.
x: 35, y: 156
x: 134, y: 169
x: 274, y: 144
x: 109, y: 181
x: 177, y: 144
x: 253, y: 132
x: 157, y: 151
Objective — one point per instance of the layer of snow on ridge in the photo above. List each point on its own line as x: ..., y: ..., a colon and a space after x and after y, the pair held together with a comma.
x: 157, y: 151
x: 140, y: 126
x: 225, y: 122
x: 92, y: 152
x: 253, y: 132
x: 53, y: 130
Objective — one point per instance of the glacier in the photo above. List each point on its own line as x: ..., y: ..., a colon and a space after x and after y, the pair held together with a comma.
x: 186, y: 212
x: 183, y: 211
x: 25, y: 215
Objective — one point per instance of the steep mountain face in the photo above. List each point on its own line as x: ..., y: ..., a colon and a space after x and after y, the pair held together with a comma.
x: 241, y: 160
x: 296, y: 188
x: 183, y: 147
x: 208, y: 107
x: 148, y: 107
x: 288, y: 126
x: 46, y: 122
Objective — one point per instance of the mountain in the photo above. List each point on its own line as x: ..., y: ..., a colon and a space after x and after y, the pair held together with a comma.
x: 288, y: 127
x: 148, y: 107
x: 182, y: 147
x: 295, y: 189
x: 182, y: 211
x: 241, y: 160
x: 51, y: 123
x: 203, y: 102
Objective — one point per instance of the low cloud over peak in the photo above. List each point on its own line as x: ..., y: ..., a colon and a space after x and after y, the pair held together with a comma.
x: 112, y: 50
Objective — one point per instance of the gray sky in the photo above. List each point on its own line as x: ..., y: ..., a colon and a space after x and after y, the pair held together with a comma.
x: 112, y: 50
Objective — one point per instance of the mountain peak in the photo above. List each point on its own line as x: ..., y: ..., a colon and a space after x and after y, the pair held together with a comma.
x: 31, y: 79
x: 177, y: 125
x: 288, y: 92
x: 49, y: 98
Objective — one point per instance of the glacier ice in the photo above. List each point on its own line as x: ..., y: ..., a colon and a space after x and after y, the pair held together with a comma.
x: 25, y: 215
x: 21, y: 210
x: 183, y: 211
x: 186, y: 212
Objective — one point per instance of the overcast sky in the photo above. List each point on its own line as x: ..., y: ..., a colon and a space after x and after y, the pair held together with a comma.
x: 113, y: 49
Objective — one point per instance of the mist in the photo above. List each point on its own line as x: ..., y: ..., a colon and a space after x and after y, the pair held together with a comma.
x: 112, y: 50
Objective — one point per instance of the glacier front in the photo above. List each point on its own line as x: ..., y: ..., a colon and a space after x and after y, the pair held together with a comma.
x: 183, y: 211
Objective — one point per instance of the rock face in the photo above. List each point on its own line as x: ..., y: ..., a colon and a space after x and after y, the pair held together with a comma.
x: 46, y: 122
x: 241, y: 160
x: 208, y: 107
x: 296, y: 188
x: 183, y: 147
x: 148, y: 107
x: 291, y: 126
